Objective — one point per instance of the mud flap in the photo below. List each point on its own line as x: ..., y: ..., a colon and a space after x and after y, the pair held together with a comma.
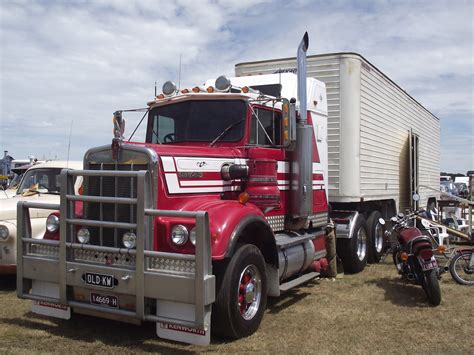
x: 51, y: 290
x: 184, y: 311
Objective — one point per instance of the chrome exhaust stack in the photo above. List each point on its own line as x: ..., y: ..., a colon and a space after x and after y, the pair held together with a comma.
x: 302, y: 167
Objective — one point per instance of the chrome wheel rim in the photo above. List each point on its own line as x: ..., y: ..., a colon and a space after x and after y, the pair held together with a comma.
x: 361, y: 244
x: 249, y: 293
x: 378, y: 238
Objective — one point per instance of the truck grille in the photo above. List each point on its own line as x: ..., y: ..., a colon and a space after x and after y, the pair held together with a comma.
x: 111, y: 187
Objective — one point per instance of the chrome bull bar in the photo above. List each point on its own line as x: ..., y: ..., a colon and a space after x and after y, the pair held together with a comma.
x: 146, y: 280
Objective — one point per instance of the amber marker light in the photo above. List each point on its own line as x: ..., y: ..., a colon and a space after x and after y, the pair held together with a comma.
x: 210, y: 89
x: 441, y: 248
x: 160, y: 96
x: 245, y: 89
x: 244, y: 198
x: 404, y: 256
x: 185, y: 91
x: 81, y: 190
x: 196, y: 89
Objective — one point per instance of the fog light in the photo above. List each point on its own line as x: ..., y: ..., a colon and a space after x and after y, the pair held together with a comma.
x: 179, y: 235
x: 52, y: 223
x: 129, y: 240
x: 192, y: 236
x: 4, y: 233
x: 83, y: 236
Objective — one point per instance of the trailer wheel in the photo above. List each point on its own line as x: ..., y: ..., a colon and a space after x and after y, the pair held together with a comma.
x: 354, y: 251
x: 241, y: 294
x: 377, y: 242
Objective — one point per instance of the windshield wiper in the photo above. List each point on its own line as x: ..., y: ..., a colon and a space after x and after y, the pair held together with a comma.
x: 224, y: 132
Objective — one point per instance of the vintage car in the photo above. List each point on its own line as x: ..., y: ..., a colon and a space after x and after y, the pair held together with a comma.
x: 39, y: 183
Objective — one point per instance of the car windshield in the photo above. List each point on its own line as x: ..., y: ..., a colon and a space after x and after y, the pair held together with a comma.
x: 40, y: 181
x: 197, y: 121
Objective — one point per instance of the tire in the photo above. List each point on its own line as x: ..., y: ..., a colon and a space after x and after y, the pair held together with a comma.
x: 234, y: 316
x: 460, y: 270
x: 432, y: 290
x: 377, y: 242
x: 354, y: 251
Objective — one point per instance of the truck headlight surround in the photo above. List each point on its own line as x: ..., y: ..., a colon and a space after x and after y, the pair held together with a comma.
x: 179, y: 235
x: 192, y: 236
x: 129, y: 240
x: 83, y: 235
x: 52, y: 223
x: 4, y: 233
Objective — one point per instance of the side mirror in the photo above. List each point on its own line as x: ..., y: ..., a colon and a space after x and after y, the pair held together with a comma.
x: 382, y: 221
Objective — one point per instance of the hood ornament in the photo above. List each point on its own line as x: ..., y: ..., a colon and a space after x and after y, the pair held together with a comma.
x: 119, y: 129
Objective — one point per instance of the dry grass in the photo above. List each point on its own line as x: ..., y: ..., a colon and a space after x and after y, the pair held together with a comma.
x: 371, y: 312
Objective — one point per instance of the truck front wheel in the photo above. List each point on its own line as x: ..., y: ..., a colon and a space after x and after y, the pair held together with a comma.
x: 354, y: 250
x: 241, y: 294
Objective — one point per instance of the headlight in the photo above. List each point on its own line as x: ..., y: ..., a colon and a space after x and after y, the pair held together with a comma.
x: 83, y: 235
x: 4, y: 233
x: 52, y: 223
x: 129, y: 240
x: 192, y: 236
x: 179, y: 235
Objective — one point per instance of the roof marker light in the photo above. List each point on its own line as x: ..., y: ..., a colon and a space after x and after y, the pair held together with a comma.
x: 210, y: 89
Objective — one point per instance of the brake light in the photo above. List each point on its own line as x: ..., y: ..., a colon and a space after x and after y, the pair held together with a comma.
x: 426, y: 254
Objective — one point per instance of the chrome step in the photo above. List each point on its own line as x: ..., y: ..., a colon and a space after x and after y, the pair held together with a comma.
x: 284, y: 241
x: 298, y: 281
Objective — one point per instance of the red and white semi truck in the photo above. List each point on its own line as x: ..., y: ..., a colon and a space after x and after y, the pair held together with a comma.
x: 223, y: 205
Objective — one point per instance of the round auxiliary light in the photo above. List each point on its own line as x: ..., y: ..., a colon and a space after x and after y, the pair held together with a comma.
x: 192, y: 236
x: 169, y: 88
x: 210, y: 89
x: 129, y: 240
x: 83, y: 236
x: 52, y: 223
x: 223, y: 83
x: 179, y: 235
x: 3, y: 233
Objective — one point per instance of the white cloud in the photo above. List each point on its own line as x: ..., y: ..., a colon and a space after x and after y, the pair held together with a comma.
x: 82, y: 60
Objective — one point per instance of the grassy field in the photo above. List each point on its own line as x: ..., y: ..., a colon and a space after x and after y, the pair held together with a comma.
x: 371, y: 312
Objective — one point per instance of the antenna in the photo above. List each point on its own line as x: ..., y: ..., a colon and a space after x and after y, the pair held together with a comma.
x: 179, y: 73
x: 155, y: 88
x: 69, y: 145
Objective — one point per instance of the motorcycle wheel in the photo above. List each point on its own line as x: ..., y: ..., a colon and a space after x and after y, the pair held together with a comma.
x: 431, y: 287
x: 460, y: 270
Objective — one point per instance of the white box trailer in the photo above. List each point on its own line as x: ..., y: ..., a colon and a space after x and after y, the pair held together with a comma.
x: 383, y: 145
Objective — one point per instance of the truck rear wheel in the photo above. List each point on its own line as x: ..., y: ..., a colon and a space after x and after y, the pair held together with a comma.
x: 354, y: 251
x: 241, y: 294
x: 377, y: 242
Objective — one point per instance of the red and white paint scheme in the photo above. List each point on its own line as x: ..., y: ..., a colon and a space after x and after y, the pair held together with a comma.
x: 248, y: 155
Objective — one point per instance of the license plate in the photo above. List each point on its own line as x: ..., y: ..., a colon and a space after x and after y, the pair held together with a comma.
x: 99, y: 280
x: 428, y: 265
x: 104, y: 300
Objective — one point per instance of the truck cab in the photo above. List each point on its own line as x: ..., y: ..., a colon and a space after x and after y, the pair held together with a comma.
x: 222, y: 205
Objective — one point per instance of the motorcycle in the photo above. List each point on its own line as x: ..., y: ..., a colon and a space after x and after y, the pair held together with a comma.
x: 413, y: 255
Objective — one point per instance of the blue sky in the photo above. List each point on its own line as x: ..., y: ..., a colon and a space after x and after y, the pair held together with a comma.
x: 79, y: 61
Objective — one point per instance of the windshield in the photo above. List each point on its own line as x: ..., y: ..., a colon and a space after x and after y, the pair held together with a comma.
x: 197, y: 121
x: 40, y: 180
